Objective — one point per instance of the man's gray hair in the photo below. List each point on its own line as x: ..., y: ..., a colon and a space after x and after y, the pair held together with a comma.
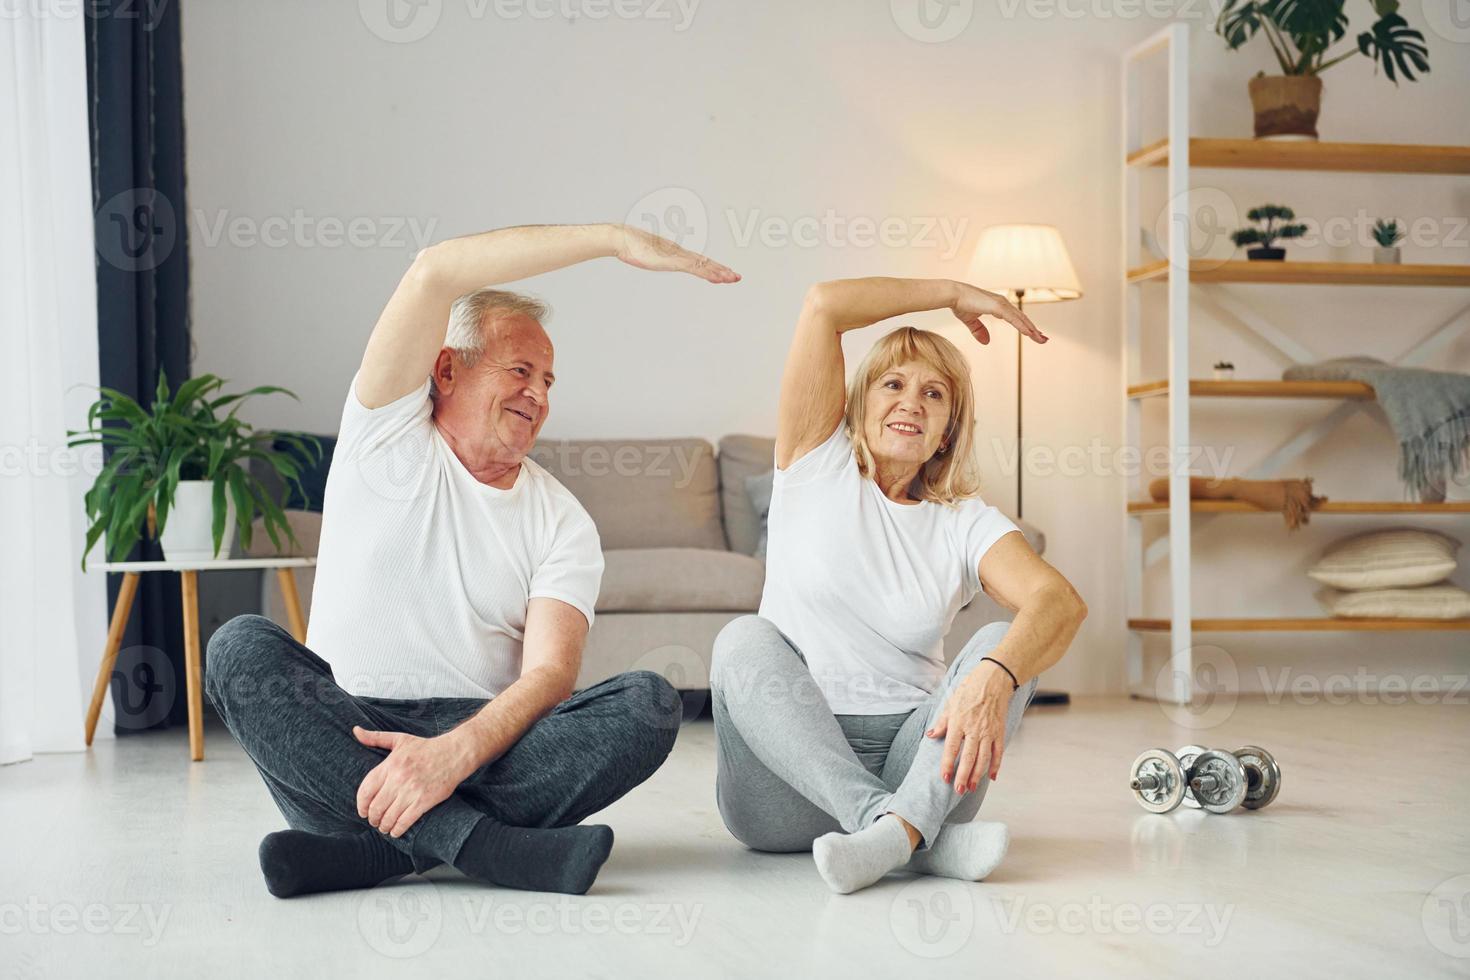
x: 473, y: 312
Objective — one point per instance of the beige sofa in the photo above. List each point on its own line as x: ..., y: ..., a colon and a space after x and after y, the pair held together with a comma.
x: 678, y: 534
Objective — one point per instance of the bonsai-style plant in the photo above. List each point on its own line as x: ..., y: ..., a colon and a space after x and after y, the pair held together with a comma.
x: 1268, y: 231
x: 1387, y: 234
x: 1302, y: 34
x: 177, y: 465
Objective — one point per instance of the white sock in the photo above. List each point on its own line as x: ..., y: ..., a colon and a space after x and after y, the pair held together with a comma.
x: 968, y: 851
x: 848, y: 862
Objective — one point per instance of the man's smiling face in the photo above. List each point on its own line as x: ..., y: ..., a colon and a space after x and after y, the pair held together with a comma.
x: 500, y: 403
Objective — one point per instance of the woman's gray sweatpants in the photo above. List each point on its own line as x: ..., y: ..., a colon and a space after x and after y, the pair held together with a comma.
x: 789, y: 770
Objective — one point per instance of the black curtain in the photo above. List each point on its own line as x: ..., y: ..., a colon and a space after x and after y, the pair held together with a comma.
x: 135, y: 93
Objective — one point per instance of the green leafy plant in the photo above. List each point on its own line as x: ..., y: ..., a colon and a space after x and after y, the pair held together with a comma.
x: 1387, y: 233
x: 183, y: 437
x: 1267, y: 215
x: 1300, y: 33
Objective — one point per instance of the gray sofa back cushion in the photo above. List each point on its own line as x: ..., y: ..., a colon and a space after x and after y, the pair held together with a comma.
x: 642, y: 493
x: 742, y: 457
x: 680, y: 580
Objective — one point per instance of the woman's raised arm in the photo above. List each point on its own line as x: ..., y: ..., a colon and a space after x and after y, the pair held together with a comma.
x: 812, y: 385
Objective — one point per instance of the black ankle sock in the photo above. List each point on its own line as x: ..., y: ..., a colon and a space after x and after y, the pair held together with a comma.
x: 562, y: 859
x: 299, y: 863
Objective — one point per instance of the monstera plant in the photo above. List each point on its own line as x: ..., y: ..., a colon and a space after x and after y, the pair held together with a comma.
x: 1305, y: 35
x: 176, y: 469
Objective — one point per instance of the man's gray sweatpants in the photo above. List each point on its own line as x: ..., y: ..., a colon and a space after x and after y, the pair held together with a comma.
x: 283, y: 705
x: 789, y: 770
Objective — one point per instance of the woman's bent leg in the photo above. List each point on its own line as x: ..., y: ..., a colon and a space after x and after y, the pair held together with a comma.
x: 921, y: 795
x: 786, y: 772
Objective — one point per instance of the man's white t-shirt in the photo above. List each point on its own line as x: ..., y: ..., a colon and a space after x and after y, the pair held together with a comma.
x: 867, y: 588
x: 424, y: 573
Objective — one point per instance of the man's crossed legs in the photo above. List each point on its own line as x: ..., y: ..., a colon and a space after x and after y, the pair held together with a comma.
x: 512, y: 823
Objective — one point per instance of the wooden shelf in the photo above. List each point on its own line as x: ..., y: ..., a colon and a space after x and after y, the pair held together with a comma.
x: 1310, y: 273
x: 1337, y: 624
x: 1203, y: 388
x: 1330, y: 507
x: 1368, y: 158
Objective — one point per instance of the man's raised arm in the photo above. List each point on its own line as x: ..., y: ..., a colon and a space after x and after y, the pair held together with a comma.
x: 410, y: 331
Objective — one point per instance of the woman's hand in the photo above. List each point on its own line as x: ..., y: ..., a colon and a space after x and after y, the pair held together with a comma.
x: 974, y: 302
x: 973, y: 726
x: 643, y: 250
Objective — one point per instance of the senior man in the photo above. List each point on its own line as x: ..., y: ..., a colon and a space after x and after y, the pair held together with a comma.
x: 431, y: 720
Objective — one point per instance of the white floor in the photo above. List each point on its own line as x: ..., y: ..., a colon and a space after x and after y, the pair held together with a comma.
x: 130, y: 861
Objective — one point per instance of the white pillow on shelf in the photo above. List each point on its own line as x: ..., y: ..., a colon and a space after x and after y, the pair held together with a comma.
x: 1397, y: 559
x: 1425, y: 602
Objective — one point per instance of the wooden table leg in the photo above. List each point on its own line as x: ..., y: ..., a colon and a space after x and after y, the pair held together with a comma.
x: 286, y: 577
x: 192, y: 672
x: 115, y: 630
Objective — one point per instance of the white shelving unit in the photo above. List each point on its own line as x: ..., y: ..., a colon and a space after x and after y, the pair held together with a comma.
x: 1183, y: 278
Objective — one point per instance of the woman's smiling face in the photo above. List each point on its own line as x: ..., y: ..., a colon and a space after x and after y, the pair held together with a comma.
x: 907, y: 414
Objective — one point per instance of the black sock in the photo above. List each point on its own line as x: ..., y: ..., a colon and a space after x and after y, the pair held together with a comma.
x: 562, y: 859
x: 299, y: 863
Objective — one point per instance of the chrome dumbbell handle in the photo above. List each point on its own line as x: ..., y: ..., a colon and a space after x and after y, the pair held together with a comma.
x: 1146, y: 782
x: 1204, y: 784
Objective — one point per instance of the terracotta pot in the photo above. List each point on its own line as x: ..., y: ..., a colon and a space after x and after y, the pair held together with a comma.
x: 1286, y: 106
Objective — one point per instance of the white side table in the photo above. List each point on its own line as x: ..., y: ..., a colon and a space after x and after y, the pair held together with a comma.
x: 189, y: 578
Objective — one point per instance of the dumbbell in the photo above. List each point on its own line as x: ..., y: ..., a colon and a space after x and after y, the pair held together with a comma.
x: 1213, y: 780
x: 1217, y: 778
x: 1206, y: 779
x: 1157, y: 780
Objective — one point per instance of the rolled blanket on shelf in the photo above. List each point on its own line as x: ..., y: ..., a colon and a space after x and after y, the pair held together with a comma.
x: 1429, y: 412
x: 1292, y: 497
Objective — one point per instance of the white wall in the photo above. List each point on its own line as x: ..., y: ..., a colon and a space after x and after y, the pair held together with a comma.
x: 750, y: 112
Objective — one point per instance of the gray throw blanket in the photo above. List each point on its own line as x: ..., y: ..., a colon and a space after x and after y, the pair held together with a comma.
x: 1428, y: 410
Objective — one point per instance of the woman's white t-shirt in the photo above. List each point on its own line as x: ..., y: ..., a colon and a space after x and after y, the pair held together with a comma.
x: 867, y: 588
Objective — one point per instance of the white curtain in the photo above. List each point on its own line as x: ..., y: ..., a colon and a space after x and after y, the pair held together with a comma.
x: 52, y: 617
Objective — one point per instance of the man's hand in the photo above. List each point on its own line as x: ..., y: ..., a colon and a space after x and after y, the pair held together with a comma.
x: 973, y: 726
x: 643, y: 250
x: 418, y: 775
x: 973, y: 302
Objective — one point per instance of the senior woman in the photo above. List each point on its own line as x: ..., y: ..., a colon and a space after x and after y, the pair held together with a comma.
x: 839, y: 728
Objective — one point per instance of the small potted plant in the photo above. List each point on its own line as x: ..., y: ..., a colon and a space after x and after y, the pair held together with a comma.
x: 1387, y: 234
x: 176, y: 469
x: 1300, y: 33
x: 1224, y: 370
x: 1265, y: 235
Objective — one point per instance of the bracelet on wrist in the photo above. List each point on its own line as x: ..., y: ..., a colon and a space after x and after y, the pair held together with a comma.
x: 1015, y: 684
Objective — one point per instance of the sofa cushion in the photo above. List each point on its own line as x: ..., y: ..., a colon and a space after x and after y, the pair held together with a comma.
x: 642, y: 493
x: 742, y: 457
x: 680, y: 580
x: 758, y: 490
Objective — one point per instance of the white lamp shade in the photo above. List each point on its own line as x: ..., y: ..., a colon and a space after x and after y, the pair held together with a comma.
x: 1013, y: 259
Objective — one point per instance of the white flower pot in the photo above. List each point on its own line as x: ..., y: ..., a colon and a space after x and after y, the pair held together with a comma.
x: 1386, y: 255
x: 188, y: 533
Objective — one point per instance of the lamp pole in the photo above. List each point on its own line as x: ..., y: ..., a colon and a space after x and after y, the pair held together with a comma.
x: 1041, y: 696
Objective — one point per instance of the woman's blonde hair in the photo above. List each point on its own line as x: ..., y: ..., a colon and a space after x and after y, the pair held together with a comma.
x: 951, y: 474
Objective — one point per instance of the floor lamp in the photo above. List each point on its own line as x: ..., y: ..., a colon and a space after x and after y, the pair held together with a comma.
x: 1029, y: 264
